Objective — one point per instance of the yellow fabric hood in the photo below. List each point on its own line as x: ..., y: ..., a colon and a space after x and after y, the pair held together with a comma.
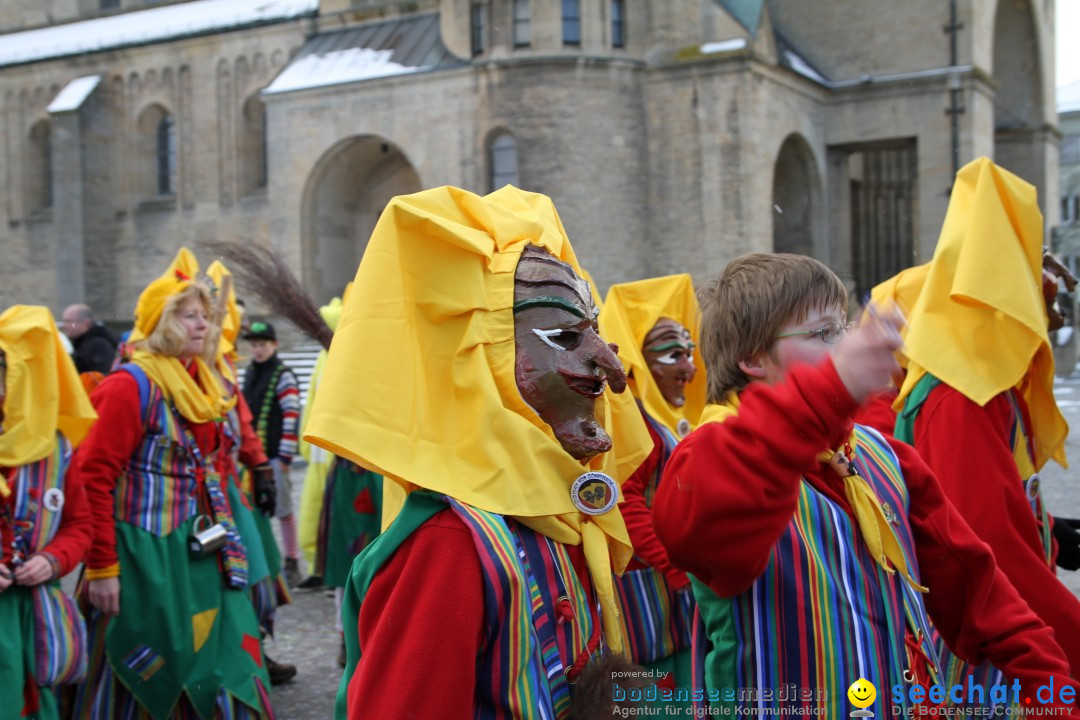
x: 979, y: 323
x: 629, y: 313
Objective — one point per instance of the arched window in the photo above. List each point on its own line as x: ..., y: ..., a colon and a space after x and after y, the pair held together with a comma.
x: 504, y: 161
x: 522, y: 23
x: 165, y: 144
x: 39, y: 176
x: 156, y: 149
x: 253, y: 158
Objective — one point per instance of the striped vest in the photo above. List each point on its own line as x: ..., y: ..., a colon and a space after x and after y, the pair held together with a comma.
x: 539, y: 616
x: 823, y: 613
x: 39, y: 495
x: 159, y: 489
x: 656, y: 620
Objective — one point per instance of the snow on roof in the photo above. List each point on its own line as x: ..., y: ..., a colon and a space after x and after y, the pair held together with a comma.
x: 365, y: 52
x: 145, y: 26
x: 796, y: 63
x: 723, y: 46
x: 1068, y: 97
x: 74, y: 94
x: 335, y: 67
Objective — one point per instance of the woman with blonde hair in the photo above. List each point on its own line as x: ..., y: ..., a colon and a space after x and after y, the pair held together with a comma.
x: 44, y: 519
x: 173, y: 632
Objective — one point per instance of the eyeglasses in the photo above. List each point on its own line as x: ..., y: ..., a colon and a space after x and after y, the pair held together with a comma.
x: 830, y: 333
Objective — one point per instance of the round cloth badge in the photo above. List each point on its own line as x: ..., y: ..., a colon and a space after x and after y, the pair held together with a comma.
x: 594, y: 493
x: 53, y: 500
x: 683, y: 428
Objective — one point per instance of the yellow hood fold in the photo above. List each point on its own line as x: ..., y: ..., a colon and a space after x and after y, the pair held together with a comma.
x: 979, y: 322
x: 419, y: 383
x: 44, y: 392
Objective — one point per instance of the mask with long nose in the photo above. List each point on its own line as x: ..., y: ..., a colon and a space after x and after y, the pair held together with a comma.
x: 561, y: 364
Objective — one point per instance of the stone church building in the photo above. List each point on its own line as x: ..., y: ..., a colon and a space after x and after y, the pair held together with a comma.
x: 673, y: 135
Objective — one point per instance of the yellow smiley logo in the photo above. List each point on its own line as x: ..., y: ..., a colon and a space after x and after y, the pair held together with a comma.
x: 862, y: 693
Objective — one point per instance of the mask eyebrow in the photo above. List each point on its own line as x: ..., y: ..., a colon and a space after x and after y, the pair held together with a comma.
x: 553, y: 301
x: 674, y: 345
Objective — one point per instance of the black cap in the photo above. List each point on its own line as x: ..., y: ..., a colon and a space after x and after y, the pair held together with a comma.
x: 260, y: 331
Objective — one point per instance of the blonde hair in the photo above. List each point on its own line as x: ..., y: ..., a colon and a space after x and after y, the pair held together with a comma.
x: 169, y: 337
x: 744, y: 308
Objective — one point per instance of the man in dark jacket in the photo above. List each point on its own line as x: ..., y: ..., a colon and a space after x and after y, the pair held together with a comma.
x: 95, y: 345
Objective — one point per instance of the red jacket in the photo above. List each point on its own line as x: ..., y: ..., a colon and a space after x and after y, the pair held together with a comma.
x: 730, y: 489
x: 421, y: 627
x: 639, y: 520
x: 969, y: 448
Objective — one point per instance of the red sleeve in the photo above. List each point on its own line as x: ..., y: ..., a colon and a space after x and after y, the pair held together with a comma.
x: 72, y: 540
x: 104, y: 454
x: 251, y: 450
x: 639, y: 521
x: 969, y: 450
x: 877, y: 412
x: 730, y: 488
x: 971, y: 601
x: 421, y: 623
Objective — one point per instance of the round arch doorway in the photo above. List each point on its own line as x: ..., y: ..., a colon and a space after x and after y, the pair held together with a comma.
x: 343, y: 198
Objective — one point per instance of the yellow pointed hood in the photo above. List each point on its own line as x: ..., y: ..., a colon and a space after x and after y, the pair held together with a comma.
x: 182, y: 271
x: 44, y: 392
x: 629, y: 313
x: 419, y: 384
x: 979, y: 323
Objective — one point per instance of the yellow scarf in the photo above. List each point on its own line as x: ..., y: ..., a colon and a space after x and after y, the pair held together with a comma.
x: 629, y: 313
x: 979, y: 322
x: 419, y: 383
x: 874, y: 526
x: 44, y: 393
x: 199, y: 399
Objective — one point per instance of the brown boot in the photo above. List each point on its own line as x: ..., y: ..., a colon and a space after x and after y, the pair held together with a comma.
x: 279, y: 673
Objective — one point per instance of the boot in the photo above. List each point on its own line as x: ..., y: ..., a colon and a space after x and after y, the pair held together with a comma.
x: 292, y: 572
x: 279, y: 673
x: 311, y: 582
x: 341, y: 658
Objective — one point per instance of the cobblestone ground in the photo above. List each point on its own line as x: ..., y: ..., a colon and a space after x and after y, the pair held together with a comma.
x: 305, y: 635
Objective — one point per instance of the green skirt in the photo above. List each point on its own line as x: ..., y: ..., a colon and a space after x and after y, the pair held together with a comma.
x: 350, y: 519
x: 17, y: 656
x: 180, y: 629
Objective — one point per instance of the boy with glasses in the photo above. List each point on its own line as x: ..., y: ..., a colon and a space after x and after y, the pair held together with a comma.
x: 820, y: 549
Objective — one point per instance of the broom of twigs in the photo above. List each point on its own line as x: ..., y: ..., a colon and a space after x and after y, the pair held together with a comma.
x: 264, y: 273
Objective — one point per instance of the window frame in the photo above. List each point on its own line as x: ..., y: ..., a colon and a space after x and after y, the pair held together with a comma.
x: 518, y: 23
x: 500, y: 177
x: 571, y: 21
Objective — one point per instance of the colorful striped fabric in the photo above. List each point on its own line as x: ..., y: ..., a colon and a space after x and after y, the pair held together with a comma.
x: 233, y: 556
x: 59, y: 630
x: 655, y: 619
x: 60, y: 649
x: 823, y: 613
x: 529, y: 646
x: 158, y: 490
x: 35, y: 522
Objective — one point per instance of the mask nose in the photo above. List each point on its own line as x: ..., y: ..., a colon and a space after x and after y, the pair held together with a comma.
x: 606, y: 363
